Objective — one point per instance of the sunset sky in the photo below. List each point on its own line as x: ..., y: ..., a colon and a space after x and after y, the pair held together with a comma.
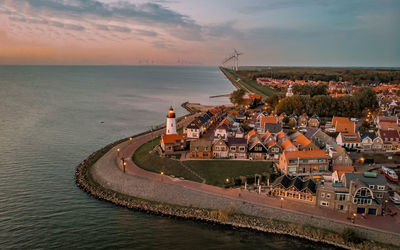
x: 200, y: 32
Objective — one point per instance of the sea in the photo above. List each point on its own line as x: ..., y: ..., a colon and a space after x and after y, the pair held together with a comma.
x: 53, y: 117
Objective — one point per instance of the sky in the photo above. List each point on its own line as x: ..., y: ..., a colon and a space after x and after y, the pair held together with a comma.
x: 200, y: 32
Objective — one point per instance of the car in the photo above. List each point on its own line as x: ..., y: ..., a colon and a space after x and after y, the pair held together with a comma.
x: 395, y: 200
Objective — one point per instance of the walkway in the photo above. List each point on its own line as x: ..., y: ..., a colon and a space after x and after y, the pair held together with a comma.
x: 152, y: 186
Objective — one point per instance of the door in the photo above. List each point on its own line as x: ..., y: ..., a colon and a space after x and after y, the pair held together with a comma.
x: 361, y: 210
x: 372, y: 211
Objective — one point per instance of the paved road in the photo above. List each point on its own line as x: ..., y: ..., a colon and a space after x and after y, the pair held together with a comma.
x: 152, y: 186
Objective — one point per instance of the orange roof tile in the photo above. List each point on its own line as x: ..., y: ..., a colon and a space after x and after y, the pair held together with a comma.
x: 343, y: 124
x: 271, y: 143
x: 268, y: 119
x: 306, y: 154
x: 286, y: 144
x: 173, y: 138
x: 301, y: 141
x: 280, y: 135
x: 343, y: 169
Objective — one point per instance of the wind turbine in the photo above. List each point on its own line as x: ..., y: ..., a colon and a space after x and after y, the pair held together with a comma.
x: 236, y: 55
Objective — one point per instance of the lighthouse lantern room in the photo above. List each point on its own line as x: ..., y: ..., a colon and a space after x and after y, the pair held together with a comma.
x: 171, y: 123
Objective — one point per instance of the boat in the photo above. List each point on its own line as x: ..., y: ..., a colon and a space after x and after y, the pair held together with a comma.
x: 390, y: 174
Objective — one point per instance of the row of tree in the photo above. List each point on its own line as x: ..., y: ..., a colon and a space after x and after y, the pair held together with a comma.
x: 311, y: 90
x: 358, y: 76
x: 324, y: 105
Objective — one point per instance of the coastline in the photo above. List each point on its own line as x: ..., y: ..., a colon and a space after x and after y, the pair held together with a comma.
x: 86, y: 182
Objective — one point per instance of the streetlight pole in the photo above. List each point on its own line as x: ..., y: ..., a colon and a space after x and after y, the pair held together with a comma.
x: 118, y: 149
x: 281, y: 202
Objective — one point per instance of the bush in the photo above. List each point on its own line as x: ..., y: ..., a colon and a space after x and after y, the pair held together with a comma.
x: 350, y: 235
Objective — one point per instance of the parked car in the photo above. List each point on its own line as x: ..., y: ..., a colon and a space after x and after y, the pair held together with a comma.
x: 395, y: 200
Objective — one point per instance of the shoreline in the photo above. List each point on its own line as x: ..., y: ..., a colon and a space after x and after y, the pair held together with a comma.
x: 87, y: 183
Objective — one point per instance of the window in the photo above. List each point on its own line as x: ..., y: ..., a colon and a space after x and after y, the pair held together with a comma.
x: 233, y: 148
x: 379, y: 195
x: 328, y: 196
x: 381, y: 187
x: 340, y: 197
x: 322, y: 195
x: 242, y: 148
x: 371, y: 186
x: 324, y: 203
x: 340, y: 207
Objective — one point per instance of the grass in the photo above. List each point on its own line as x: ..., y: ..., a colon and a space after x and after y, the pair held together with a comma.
x: 154, y: 163
x: 248, y: 84
x: 217, y: 171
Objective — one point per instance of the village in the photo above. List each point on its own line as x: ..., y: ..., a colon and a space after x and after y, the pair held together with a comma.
x: 329, y: 164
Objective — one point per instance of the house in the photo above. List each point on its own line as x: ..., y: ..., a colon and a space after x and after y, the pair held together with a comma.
x: 201, y: 149
x: 237, y: 148
x: 193, y: 130
x: 294, y: 188
x: 342, y: 124
x: 321, y: 139
x: 340, y: 171
x: 266, y: 120
x: 256, y: 149
x: 370, y: 141
x: 221, y: 131
x: 348, y: 140
x: 274, y: 151
x: 360, y: 193
x: 239, y: 133
x: 339, y: 156
x: 220, y: 149
x: 313, y: 122
x: 390, y: 138
x: 273, y: 128
x: 302, y: 143
x: 172, y: 143
x: 298, y: 162
x: 303, y: 120
x: 288, y: 146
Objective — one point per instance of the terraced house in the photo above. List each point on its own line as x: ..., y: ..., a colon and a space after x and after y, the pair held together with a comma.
x: 304, y: 162
x: 294, y: 188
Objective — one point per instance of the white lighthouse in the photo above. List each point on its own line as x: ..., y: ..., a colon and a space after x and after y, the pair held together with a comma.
x: 289, y: 92
x: 171, y: 123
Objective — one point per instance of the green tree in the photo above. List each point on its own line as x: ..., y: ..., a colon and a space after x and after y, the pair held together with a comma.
x: 366, y: 98
x: 237, y: 97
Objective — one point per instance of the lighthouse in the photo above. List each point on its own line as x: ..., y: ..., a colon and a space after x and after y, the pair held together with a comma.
x: 171, y: 123
x: 289, y: 92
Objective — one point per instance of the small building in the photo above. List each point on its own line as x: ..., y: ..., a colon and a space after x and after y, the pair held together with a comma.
x: 313, y: 122
x: 360, y: 193
x: 222, y: 131
x: 288, y: 146
x: 303, y: 120
x: 343, y: 124
x: 294, y: 188
x: 302, y: 143
x: 237, y: 148
x: 201, y: 149
x: 370, y: 141
x: 256, y: 149
x: 193, y: 130
x: 390, y: 138
x: 172, y: 143
x: 274, y: 151
x: 348, y: 140
x: 340, y: 157
x: 304, y: 162
x: 220, y: 149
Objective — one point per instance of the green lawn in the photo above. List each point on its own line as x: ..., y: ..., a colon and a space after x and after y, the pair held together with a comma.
x: 217, y: 171
x: 154, y: 163
x: 214, y: 171
x: 249, y: 84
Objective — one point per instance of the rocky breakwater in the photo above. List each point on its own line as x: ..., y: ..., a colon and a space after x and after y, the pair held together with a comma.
x: 229, y: 218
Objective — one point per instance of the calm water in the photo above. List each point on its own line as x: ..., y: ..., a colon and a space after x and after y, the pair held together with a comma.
x: 50, y: 120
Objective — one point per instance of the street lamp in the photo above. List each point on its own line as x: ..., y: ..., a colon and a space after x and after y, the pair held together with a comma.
x: 281, y: 201
x: 118, y: 149
x: 124, y: 165
x: 354, y: 215
x: 162, y: 173
x: 130, y: 140
x: 227, y: 180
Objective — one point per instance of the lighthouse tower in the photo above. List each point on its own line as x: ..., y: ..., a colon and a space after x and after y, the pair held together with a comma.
x: 171, y: 123
x: 289, y: 92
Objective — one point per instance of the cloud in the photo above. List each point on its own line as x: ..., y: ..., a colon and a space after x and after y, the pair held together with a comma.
x: 150, y: 14
x: 146, y: 33
x: 119, y: 28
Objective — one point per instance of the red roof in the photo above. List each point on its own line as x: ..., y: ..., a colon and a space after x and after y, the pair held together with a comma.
x: 173, y: 138
x: 305, y: 154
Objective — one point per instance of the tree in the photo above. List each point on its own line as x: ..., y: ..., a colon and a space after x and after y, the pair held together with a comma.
x: 237, y: 97
x: 366, y: 98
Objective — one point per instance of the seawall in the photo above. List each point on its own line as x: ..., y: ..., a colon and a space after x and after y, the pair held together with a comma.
x: 228, y: 212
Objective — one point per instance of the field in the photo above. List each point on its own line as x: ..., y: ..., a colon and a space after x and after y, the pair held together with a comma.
x: 215, y: 172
